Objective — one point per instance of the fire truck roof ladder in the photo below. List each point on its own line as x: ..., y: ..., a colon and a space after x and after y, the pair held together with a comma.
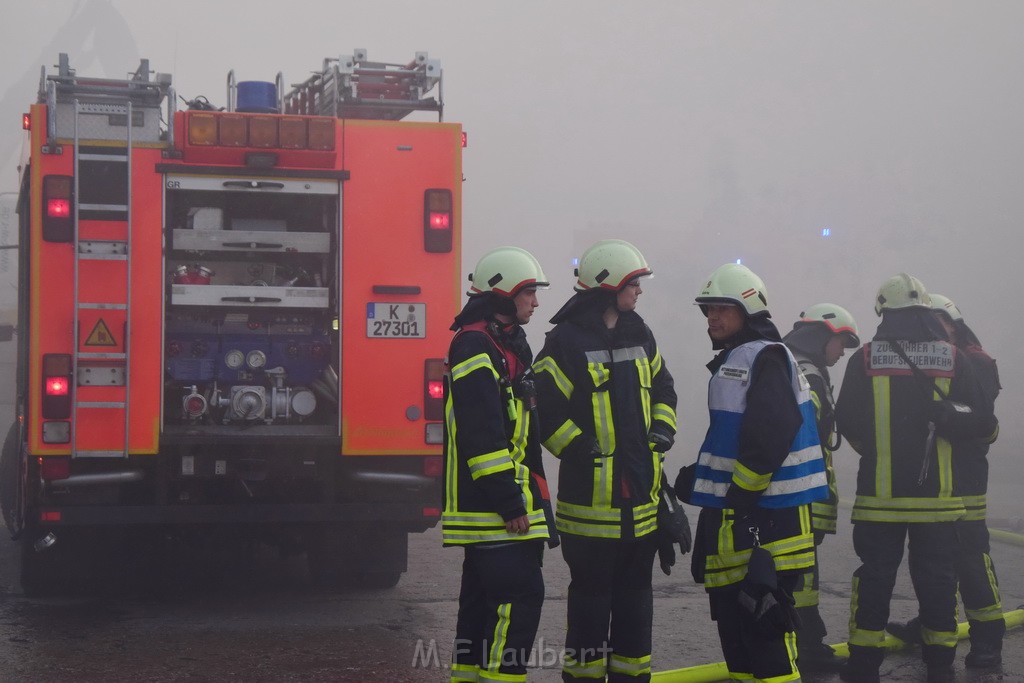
x: 112, y: 366
x: 353, y: 87
x: 104, y: 99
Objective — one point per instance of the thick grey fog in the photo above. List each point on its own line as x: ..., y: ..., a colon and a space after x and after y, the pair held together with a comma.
x: 827, y: 145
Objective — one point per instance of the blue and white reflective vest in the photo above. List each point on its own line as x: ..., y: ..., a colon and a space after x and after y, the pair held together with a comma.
x: 801, y: 479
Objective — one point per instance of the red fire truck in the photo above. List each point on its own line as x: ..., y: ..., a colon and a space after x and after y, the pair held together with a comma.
x: 234, y: 318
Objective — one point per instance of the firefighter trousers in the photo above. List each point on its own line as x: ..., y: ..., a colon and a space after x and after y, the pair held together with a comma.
x: 610, y: 609
x: 931, y: 549
x: 499, y: 611
x: 812, y: 626
x: 749, y: 653
x: 979, y: 588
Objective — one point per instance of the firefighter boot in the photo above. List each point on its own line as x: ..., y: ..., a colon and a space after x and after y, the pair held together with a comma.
x: 941, y: 673
x: 863, y: 665
x: 817, y: 657
x: 909, y: 633
x: 984, y: 655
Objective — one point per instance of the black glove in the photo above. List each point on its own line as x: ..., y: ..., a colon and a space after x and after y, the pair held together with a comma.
x: 772, y: 612
x: 684, y: 482
x: 666, y: 554
x: 582, y: 448
x: 673, y: 525
x: 769, y: 607
x: 660, y: 438
x: 941, y: 412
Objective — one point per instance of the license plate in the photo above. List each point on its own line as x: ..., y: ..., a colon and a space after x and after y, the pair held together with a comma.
x: 407, y: 321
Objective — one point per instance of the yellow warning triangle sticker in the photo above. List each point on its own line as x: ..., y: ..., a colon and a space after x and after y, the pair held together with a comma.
x: 100, y: 335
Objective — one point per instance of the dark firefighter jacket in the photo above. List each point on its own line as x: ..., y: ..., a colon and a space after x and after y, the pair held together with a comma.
x: 971, y: 471
x: 490, y: 444
x: 824, y: 513
x: 885, y: 411
x: 770, y: 423
x: 600, y: 392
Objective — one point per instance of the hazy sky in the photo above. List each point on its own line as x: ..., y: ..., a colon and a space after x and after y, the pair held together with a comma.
x: 702, y: 131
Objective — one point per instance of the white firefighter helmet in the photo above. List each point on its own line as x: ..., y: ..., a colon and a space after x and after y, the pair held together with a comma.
x: 835, y: 318
x: 946, y: 305
x: 505, y: 271
x: 610, y: 265
x: 901, y: 291
x: 734, y: 283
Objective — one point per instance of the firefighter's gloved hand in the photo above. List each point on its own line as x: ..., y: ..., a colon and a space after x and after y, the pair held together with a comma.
x: 941, y: 412
x: 773, y: 612
x: 666, y: 554
x: 770, y: 609
x: 660, y: 438
x: 684, y: 482
x: 582, y: 448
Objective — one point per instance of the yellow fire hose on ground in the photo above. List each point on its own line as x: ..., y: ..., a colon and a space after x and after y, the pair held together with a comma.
x: 710, y: 673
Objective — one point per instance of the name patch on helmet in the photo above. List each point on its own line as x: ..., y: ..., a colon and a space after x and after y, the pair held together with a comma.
x: 733, y: 372
x: 933, y: 357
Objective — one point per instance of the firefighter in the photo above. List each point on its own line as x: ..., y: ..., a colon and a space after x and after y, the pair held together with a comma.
x: 759, y: 469
x: 910, y: 406
x: 979, y: 588
x: 818, y: 340
x: 607, y: 412
x: 494, y: 489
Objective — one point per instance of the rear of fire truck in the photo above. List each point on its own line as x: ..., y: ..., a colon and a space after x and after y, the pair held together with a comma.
x: 232, y: 319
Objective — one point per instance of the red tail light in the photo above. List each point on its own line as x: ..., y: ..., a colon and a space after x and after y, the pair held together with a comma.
x: 56, y: 386
x: 53, y: 468
x: 432, y: 466
x: 438, y: 221
x: 26, y: 121
x: 433, y: 389
x: 58, y: 223
x: 58, y: 208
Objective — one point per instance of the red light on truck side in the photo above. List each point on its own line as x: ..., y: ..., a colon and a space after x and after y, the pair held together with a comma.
x: 56, y: 386
x: 58, y: 208
x: 465, y: 140
x: 438, y: 221
x: 26, y: 122
x: 58, y: 223
x: 433, y: 389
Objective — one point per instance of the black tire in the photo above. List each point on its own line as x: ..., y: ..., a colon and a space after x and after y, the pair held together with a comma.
x: 42, y: 571
x: 10, y: 480
x: 381, y: 580
x: 341, y: 556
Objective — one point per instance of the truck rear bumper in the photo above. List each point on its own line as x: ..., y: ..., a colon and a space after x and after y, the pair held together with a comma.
x: 410, y: 515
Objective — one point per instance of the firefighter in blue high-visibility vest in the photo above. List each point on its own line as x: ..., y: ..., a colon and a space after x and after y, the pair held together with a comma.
x: 495, y: 495
x: 818, y: 340
x: 759, y: 469
x: 607, y: 412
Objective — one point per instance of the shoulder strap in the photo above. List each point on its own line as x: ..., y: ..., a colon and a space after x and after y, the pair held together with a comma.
x: 509, y: 361
x: 918, y: 372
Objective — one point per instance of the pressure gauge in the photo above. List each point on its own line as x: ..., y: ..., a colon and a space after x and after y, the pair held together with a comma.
x: 234, y: 359
x: 256, y: 359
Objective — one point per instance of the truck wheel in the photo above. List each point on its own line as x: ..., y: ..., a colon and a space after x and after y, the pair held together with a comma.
x: 342, y: 556
x: 377, y: 580
x: 42, y: 571
x: 10, y: 480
